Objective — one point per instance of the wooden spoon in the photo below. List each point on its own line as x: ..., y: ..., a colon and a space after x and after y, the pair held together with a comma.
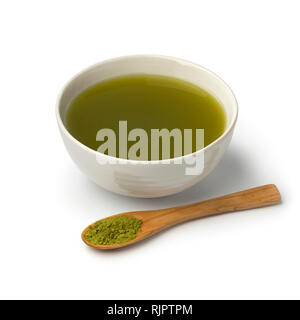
x: 157, y: 220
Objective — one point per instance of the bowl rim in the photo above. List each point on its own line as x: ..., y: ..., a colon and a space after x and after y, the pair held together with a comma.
x: 128, y: 161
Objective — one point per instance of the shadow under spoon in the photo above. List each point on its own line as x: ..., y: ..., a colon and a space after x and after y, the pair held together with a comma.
x: 154, y: 221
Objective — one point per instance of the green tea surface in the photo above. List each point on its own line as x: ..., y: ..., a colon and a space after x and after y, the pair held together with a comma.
x: 147, y: 102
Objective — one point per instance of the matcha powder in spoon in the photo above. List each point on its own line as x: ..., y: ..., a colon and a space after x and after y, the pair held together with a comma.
x: 115, y: 230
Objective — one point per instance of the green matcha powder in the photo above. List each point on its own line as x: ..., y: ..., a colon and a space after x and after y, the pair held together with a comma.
x: 115, y: 230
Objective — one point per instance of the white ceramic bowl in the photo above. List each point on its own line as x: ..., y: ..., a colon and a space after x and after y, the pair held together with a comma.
x: 146, y: 178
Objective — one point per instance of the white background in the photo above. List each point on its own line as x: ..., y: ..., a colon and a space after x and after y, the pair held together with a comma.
x: 46, y: 202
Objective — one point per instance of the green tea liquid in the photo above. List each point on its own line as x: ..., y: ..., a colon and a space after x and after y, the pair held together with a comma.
x: 147, y: 102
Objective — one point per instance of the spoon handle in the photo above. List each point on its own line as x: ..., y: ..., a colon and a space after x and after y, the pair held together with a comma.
x: 247, y: 199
